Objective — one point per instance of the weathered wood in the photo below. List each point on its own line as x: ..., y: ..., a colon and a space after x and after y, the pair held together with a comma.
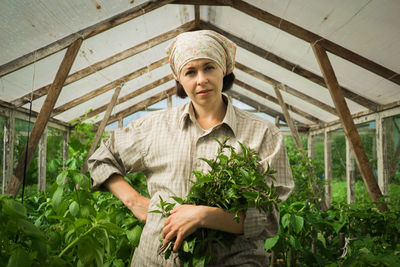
x: 128, y: 96
x: 312, y: 38
x: 275, y: 100
x: 258, y: 106
x: 42, y: 158
x: 169, y: 102
x: 120, y: 123
x: 350, y: 174
x: 301, y: 127
x: 44, y: 116
x: 65, y: 148
x: 288, y: 118
x: 8, y: 149
x: 348, y: 125
x: 383, y: 179
x: 328, y: 168
x: 101, y: 128
x: 142, y: 105
x: 197, y: 15
x: 290, y: 66
x: 22, y: 113
x: 286, y: 88
x: 203, y: 2
x: 310, y: 146
x: 107, y: 62
x: 108, y: 87
x: 85, y: 33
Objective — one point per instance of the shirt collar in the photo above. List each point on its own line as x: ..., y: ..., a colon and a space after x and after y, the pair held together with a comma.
x: 229, y: 119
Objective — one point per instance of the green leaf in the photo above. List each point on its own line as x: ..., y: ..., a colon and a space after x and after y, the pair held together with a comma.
x: 61, y: 177
x: 298, y: 223
x: 292, y: 241
x: 199, y: 261
x: 82, y: 180
x: 74, y: 208
x: 321, y: 238
x: 57, y: 197
x: 19, y: 258
x: 286, y: 220
x: 270, y: 242
x: 134, y: 235
x: 178, y: 199
x: 13, y: 208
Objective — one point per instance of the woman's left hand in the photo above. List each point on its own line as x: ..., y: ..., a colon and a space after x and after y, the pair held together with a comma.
x: 183, y: 221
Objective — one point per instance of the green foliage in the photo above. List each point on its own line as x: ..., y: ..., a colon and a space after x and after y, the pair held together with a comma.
x: 235, y: 184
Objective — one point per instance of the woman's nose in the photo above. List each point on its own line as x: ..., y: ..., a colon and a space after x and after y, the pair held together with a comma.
x: 201, y: 78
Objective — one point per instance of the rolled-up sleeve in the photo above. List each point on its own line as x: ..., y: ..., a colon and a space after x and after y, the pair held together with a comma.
x: 119, y: 154
x: 262, y: 225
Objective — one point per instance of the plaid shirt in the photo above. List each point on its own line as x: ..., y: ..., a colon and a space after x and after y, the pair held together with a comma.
x: 166, y: 145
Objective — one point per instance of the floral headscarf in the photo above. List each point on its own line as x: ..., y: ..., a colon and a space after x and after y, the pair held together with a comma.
x: 208, y: 44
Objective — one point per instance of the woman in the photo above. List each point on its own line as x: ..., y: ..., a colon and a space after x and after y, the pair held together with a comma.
x: 166, y: 146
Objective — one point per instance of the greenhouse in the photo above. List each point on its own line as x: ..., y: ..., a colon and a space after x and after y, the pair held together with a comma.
x: 75, y: 74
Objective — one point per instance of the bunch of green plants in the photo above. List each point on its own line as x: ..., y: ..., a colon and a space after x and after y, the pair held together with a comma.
x: 343, y: 235
x: 235, y: 184
x: 69, y: 225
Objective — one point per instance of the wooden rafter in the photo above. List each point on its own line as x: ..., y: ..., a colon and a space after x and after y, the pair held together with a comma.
x: 263, y: 108
x: 108, y: 87
x: 107, y: 62
x: 43, y: 116
x: 290, y: 66
x: 85, y: 33
x: 101, y: 128
x: 142, y: 105
x: 276, y: 101
x: 203, y: 2
x: 348, y: 124
x: 313, y: 38
x: 289, y: 121
x: 127, y: 97
x: 286, y: 88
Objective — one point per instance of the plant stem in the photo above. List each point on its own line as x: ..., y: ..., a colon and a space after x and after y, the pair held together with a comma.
x: 76, y: 241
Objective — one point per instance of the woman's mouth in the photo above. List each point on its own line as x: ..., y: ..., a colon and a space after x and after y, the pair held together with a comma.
x: 204, y: 92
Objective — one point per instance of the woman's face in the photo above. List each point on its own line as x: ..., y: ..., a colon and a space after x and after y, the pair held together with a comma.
x: 202, y: 80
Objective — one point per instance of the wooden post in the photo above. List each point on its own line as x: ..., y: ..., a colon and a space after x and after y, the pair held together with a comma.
x: 65, y: 148
x: 169, y: 101
x: 101, y: 128
x: 44, y: 115
x: 328, y: 168
x: 120, y: 123
x: 350, y: 174
x: 288, y: 119
x: 383, y: 179
x: 310, y: 146
x: 8, y: 150
x: 348, y: 124
x: 42, y: 158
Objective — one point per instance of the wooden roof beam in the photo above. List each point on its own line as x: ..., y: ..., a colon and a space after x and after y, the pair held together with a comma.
x: 263, y: 108
x: 290, y: 66
x: 141, y: 105
x: 107, y: 62
x: 85, y: 33
x: 126, y: 97
x: 348, y: 124
x: 285, y: 88
x: 292, y: 126
x: 313, y: 38
x: 108, y: 86
x: 43, y: 117
x: 276, y: 101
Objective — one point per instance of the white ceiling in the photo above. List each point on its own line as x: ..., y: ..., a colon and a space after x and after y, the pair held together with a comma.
x: 367, y: 27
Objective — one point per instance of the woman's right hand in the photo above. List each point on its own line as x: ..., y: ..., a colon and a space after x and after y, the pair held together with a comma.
x: 140, y: 207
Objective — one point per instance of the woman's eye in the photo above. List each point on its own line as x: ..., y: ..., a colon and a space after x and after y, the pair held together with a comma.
x: 209, y: 67
x: 190, y: 72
